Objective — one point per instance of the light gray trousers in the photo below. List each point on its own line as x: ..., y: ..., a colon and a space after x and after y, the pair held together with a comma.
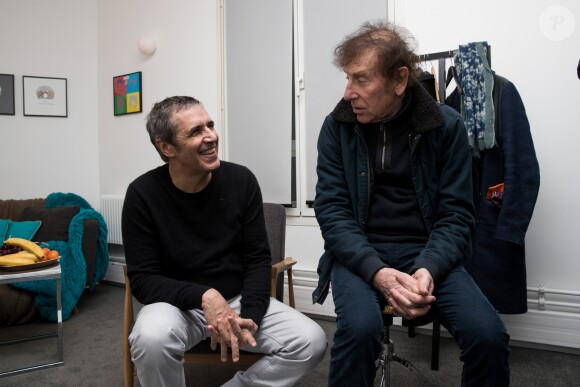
x: 292, y: 342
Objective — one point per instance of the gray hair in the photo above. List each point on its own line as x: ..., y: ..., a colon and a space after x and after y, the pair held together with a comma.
x: 394, y: 46
x: 160, y: 125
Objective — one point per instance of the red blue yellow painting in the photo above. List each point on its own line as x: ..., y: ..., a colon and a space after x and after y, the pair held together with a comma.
x: 127, y: 93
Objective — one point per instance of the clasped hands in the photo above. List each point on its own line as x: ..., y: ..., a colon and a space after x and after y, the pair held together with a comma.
x: 226, y: 327
x: 409, y: 296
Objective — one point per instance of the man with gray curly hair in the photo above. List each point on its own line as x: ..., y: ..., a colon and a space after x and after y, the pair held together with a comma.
x: 395, y: 207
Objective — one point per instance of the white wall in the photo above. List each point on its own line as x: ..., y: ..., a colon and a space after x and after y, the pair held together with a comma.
x: 186, y: 62
x: 536, y: 47
x: 93, y: 152
x: 544, y: 72
x: 40, y: 155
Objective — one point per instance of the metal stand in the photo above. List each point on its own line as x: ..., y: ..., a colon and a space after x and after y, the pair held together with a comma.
x: 33, y: 275
x: 388, y: 355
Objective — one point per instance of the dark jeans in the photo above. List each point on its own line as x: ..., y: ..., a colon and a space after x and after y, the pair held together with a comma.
x: 460, y: 307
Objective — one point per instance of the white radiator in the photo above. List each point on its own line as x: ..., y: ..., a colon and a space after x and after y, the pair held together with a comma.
x: 111, y: 209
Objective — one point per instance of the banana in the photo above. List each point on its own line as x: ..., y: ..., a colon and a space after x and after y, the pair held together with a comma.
x: 18, y: 259
x: 27, y: 245
x: 27, y: 255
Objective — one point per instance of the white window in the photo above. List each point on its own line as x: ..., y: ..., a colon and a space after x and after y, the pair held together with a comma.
x: 280, y: 85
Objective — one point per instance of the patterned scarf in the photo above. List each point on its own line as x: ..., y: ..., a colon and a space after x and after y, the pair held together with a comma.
x: 475, y: 77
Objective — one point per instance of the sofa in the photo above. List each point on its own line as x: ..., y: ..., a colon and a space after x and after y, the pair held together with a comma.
x: 71, y: 226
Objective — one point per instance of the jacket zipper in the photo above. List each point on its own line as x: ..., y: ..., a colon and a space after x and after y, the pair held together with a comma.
x: 413, y: 140
x: 384, y: 144
x: 370, y: 171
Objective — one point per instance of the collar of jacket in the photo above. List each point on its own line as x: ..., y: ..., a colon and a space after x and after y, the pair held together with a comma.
x: 425, y: 111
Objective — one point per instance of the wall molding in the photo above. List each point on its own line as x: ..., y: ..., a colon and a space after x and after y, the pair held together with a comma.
x: 551, y: 323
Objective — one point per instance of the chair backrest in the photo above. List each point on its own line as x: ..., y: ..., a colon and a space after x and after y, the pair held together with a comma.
x: 275, y: 219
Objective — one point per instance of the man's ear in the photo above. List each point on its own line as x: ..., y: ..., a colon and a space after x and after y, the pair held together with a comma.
x: 401, y: 80
x: 168, y: 150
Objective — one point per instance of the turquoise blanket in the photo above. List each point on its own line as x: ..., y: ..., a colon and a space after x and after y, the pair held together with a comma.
x: 72, y: 261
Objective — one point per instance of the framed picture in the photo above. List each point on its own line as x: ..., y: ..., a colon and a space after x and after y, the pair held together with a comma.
x: 127, y: 94
x: 7, y: 94
x: 45, y: 97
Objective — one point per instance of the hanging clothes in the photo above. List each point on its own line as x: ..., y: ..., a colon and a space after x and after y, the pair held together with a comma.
x: 506, y: 181
x: 476, y: 79
x: 427, y: 80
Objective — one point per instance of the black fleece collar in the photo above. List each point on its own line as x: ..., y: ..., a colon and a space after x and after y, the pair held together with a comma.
x: 425, y: 112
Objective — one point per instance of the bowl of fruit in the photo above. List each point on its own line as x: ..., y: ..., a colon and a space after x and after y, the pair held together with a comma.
x: 17, y: 254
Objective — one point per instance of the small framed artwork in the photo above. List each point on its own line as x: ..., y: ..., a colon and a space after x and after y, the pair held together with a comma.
x: 45, y: 97
x: 127, y: 94
x: 7, y: 94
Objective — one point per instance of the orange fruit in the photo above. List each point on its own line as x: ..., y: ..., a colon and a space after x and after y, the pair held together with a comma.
x: 46, y: 251
x: 53, y: 254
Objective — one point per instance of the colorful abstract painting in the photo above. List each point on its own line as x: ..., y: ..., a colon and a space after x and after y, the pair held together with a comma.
x: 127, y: 93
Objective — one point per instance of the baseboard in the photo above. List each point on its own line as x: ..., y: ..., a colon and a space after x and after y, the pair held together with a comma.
x: 115, y: 272
x: 545, y: 327
x: 555, y: 327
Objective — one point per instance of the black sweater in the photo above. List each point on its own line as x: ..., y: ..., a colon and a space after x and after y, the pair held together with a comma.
x: 394, y: 214
x: 178, y: 245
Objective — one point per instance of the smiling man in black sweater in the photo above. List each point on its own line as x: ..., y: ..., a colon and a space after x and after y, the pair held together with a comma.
x: 198, y: 258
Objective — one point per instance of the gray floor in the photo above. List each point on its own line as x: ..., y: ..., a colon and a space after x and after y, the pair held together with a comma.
x: 93, y: 355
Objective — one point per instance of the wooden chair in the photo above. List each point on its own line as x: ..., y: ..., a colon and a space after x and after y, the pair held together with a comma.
x: 275, y: 217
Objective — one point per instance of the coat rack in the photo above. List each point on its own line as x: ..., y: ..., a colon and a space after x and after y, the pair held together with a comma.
x: 441, y: 58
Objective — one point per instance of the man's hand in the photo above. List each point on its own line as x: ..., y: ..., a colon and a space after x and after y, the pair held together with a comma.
x: 409, y: 296
x: 425, y: 281
x: 234, y: 332
x: 215, y: 307
x: 226, y: 328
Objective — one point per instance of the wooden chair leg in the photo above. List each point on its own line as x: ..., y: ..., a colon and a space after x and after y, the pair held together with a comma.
x: 128, y: 321
x: 129, y: 369
x: 291, y: 301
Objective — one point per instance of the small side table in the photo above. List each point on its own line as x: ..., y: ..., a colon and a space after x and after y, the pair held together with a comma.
x: 52, y: 272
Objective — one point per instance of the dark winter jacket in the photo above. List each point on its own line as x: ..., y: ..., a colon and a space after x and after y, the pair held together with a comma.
x: 441, y: 173
x: 498, y: 263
